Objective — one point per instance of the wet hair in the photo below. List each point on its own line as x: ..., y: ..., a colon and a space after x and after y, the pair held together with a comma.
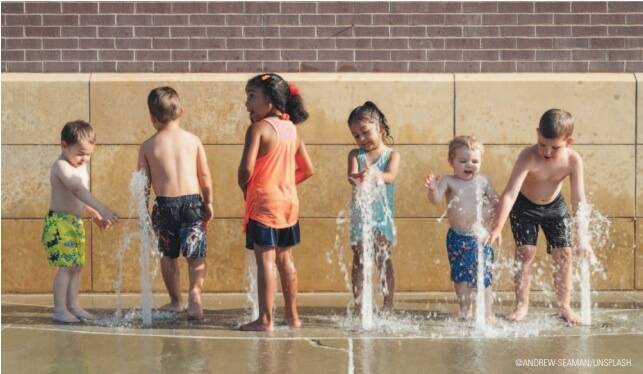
x: 556, y: 123
x: 465, y: 141
x: 164, y: 104
x: 370, y: 112
x: 278, y: 92
x: 76, y: 131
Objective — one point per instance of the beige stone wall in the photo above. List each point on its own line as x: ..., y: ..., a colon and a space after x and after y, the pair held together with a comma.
x: 425, y: 111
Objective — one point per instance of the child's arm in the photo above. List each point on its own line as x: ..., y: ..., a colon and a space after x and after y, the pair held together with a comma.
x: 65, y: 173
x: 578, y: 198
x: 144, y: 167
x: 355, y: 176
x: 205, y: 182
x: 436, y: 188
x: 393, y: 166
x: 509, y: 195
x: 249, y: 156
x: 491, y: 198
x: 302, y: 159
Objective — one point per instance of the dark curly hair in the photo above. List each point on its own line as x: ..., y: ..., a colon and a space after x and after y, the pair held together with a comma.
x: 277, y: 90
x: 370, y: 112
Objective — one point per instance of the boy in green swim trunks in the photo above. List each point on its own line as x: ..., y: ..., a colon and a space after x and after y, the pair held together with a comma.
x: 63, y: 234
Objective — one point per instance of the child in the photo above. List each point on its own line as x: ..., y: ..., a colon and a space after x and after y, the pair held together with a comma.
x: 470, y: 198
x: 534, y: 192
x: 175, y: 162
x: 372, y: 162
x: 274, y: 161
x: 63, y: 235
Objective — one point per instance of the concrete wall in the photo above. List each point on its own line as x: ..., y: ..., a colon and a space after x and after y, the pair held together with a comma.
x: 425, y: 110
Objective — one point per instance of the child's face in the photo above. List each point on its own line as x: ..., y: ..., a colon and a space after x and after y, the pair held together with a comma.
x: 258, y: 104
x: 367, y: 134
x: 552, y: 149
x: 78, y: 153
x: 466, y: 163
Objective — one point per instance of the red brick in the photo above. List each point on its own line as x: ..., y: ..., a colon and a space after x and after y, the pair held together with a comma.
x: 233, y: 43
x: 152, y: 31
x: 317, y: 19
x: 151, y: 55
x: 42, y: 31
x: 571, y: 43
x: 13, y: 55
x: 633, y: 66
x: 535, y: 43
x: 189, y: 7
x: 116, y: 55
x: 314, y: 44
x: 515, y: 7
x: 261, y: 7
x: 589, y: 7
x: 480, y: 7
x: 390, y: 43
x: 336, y: 7
x: 409, y: 55
x: 634, y: 19
x: 243, y: 19
x: 134, y: 19
x: 512, y: 55
x: 132, y: 43
x: 430, y: 43
x: 437, y: 55
x: 463, y: 19
x: 390, y: 67
x: 571, y: 19
x: 372, y: 55
x: 625, y: 30
x: 589, y: 31
x: 244, y: 66
x: 371, y: 7
x: 553, y: 55
x: 414, y: 31
x: 584, y: 55
x: 61, y: 67
x: 187, y: 31
x: 225, y: 55
x: 207, y: 43
x: 517, y: 31
x: 60, y: 43
x: 354, y: 19
x: 152, y: 8
x: 334, y: 31
x: 535, y: 19
x: 207, y: 19
x: 170, y: 19
x: 276, y: 43
x: 425, y: 7
x: 207, y: 67
x: 80, y: 7
x: 224, y: 31
x: 225, y: 7
x: 533, y: 67
x: 437, y: 31
x: 607, y: 43
x: 634, y: 43
x: 135, y: 67
x: 553, y: 30
x: 97, y: 43
x: 117, y: 31
x: 98, y: 67
x: 498, y: 66
x: 172, y: 67
x: 481, y: 31
x: 11, y: 7
x: 371, y: 31
x: 608, y: 19
x: 350, y: 66
x: 391, y: 19
x: 616, y: 55
x: 98, y: 19
x: 23, y: 19
x: 317, y: 66
x: 462, y: 66
x: 606, y: 66
x: 280, y: 19
x: 280, y: 66
x: 463, y: 43
x: 427, y: 19
x: 260, y: 31
x: 498, y: 43
x: 80, y: 55
x: 298, y: 7
x: 60, y: 20
x: 12, y: 31
x: 569, y: 66
x: 115, y: 7
x: 24, y: 67
x: 326, y: 55
x: 426, y: 67
x: 42, y: 7
x: 625, y: 6
x: 261, y: 55
x: 552, y: 7
x: 170, y: 43
x: 297, y: 31
x: 299, y: 55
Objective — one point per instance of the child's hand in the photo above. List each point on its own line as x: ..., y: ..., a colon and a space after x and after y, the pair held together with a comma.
x: 586, y: 252
x: 108, y: 217
x: 494, y: 237
x: 208, y: 213
x: 100, y: 223
x: 431, y: 182
x: 358, y: 178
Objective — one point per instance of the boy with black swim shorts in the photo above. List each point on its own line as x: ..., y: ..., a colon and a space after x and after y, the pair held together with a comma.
x: 532, y: 198
x: 175, y: 162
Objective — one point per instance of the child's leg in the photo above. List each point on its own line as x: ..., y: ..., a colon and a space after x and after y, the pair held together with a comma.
x: 463, y: 293
x: 563, y: 283
x: 289, y: 284
x: 72, y: 294
x: 196, y: 268
x: 387, y: 275
x: 172, y: 280
x: 357, y: 275
x: 488, y: 298
x: 61, y: 287
x: 266, y: 286
x: 524, y: 258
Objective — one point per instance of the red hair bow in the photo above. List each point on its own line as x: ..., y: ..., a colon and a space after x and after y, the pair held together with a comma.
x: 294, y: 90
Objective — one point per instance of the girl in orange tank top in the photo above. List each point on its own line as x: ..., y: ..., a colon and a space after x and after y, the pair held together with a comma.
x: 274, y: 161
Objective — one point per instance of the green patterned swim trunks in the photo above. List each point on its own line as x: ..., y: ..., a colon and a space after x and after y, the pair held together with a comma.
x: 64, y: 239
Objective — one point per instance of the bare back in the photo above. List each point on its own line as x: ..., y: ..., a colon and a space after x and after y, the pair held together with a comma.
x: 544, y: 178
x: 171, y: 157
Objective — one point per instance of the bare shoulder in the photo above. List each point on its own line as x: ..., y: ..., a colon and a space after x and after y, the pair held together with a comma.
x: 353, y: 153
x: 574, y: 157
x: 394, y: 153
x: 526, y: 157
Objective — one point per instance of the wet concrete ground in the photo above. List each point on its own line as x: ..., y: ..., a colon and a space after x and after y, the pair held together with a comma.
x: 420, y: 337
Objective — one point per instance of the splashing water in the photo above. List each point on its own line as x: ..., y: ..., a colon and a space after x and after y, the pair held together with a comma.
x: 481, y: 233
x: 252, y: 295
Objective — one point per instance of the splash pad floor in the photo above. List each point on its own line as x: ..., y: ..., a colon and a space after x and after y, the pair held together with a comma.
x: 421, y: 336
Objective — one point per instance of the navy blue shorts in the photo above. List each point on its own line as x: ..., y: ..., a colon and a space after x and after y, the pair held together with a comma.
x: 178, y: 222
x: 265, y: 236
x: 462, y: 249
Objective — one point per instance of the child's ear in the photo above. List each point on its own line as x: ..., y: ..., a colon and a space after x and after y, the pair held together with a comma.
x: 570, y: 141
x: 63, y: 143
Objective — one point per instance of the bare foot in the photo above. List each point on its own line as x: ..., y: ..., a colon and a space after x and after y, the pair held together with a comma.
x: 491, y: 319
x: 569, y: 316
x: 64, y: 317
x: 173, y: 307
x: 256, y: 326
x: 81, y: 313
x: 465, y: 315
x: 518, y: 314
x: 195, y: 311
x: 294, y: 323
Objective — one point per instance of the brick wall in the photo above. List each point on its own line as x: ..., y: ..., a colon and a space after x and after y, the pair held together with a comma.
x: 322, y: 36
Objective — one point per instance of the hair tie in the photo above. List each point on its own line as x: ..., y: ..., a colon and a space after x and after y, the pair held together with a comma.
x: 294, y: 90
x: 284, y: 116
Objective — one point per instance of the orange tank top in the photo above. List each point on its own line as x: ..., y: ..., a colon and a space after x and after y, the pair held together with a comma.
x: 271, y: 194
